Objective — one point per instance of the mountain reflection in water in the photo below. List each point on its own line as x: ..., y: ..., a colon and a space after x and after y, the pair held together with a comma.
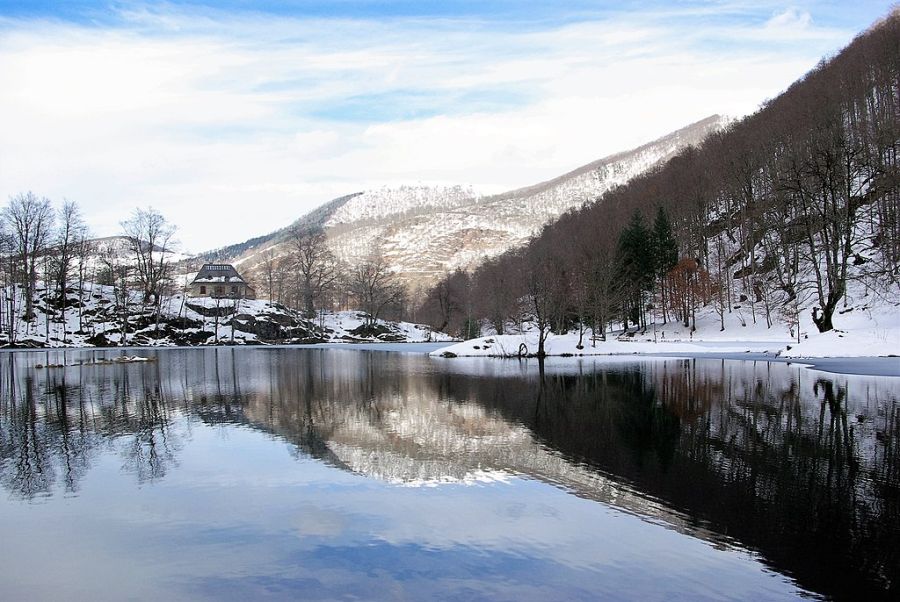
x: 799, y: 466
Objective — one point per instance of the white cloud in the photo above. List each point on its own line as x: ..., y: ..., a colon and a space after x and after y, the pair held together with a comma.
x: 210, y: 116
x: 791, y: 18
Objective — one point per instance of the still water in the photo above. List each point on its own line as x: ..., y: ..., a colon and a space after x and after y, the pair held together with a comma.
x: 357, y: 474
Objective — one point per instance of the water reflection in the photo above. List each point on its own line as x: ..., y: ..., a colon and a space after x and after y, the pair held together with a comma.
x: 799, y: 466
x: 795, y: 464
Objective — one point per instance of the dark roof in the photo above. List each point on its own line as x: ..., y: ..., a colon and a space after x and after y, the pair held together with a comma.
x: 218, y: 272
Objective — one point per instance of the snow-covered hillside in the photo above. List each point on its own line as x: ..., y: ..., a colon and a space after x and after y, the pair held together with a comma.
x: 460, y: 233
x: 96, y: 317
x: 120, y: 246
x: 400, y: 201
x: 427, y: 231
x: 870, y: 327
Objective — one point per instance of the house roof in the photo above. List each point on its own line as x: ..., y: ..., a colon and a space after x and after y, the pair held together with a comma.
x: 218, y: 272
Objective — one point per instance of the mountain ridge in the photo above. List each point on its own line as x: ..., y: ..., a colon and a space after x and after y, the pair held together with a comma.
x: 426, y: 231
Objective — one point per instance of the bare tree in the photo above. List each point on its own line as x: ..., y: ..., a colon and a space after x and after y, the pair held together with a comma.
x: 601, y: 275
x: 540, y: 275
x: 150, y: 237
x: 84, y: 248
x: 495, y: 293
x: 269, y: 267
x: 830, y: 179
x: 7, y: 282
x: 691, y: 287
x: 314, y: 266
x: 374, y: 286
x: 448, y: 305
x: 29, y: 220
x: 280, y: 277
x: 70, y: 234
x: 119, y: 274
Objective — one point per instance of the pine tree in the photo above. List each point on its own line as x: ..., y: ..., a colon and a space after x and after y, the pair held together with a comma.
x: 636, y: 268
x: 664, y: 245
x: 664, y: 249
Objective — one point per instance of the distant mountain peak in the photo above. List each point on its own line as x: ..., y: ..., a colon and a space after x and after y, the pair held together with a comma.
x: 427, y: 230
x: 398, y: 200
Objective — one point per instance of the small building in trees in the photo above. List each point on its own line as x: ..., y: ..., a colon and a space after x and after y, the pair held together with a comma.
x: 221, y: 281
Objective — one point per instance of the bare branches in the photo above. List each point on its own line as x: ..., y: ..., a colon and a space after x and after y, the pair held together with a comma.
x: 375, y: 286
x: 150, y: 237
x: 314, y: 266
x: 70, y: 235
x: 29, y: 220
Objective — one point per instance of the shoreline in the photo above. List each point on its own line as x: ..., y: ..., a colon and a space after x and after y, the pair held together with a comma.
x: 882, y: 366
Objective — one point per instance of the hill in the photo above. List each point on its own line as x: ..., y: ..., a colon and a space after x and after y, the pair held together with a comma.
x: 426, y: 231
x: 786, y: 221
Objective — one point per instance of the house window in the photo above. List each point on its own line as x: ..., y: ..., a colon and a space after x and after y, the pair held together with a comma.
x: 233, y: 291
x: 202, y: 290
x: 219, y: 290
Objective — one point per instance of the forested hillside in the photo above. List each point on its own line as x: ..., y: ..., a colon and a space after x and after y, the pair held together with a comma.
x: 790, y: 214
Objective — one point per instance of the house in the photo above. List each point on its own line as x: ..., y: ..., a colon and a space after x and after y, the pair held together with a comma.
x: 221, y: 281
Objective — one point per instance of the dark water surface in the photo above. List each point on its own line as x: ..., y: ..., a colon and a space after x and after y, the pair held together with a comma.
x: 353, y: 474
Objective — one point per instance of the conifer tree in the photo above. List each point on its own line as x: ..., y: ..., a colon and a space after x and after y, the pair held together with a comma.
x: 664, y: 248
x: 635, y: 261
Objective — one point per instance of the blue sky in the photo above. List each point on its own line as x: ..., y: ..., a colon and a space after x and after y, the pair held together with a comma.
x: 285, y: 105
x: 853, y: 14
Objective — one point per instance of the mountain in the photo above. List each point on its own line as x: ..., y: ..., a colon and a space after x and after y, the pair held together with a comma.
x: 427, y: 231
x: 784, y: 221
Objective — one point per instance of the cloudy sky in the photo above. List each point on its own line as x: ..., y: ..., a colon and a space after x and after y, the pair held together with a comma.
x: 234, y: 118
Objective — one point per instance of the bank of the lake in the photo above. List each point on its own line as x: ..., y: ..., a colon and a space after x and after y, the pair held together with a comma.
x: 885, y: 352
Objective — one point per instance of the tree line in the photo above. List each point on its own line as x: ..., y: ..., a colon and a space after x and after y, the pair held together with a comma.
x: 303, y: 273
x: 778, y: 213
x: 47, y: 254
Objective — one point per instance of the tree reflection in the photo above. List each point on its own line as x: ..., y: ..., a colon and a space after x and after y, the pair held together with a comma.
x: 775, y: 458
x: 803, y: 468
x: 53, y: 423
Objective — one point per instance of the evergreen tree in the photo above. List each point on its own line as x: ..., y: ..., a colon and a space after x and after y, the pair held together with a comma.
x: 664, y: 249
x: 664, y: 245
x: 636, y: 268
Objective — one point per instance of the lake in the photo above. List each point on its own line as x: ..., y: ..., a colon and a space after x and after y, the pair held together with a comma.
x: 342, y: 473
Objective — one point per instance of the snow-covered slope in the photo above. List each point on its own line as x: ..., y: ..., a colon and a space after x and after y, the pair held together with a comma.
x: 400, y: 201
x: 94, y: 317
x: 426, y: 231
x: 870, y: 327
x: 459, y: 233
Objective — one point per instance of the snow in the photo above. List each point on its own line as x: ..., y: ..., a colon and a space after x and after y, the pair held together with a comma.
x: 341, y: 323
x: 387, y: 201
x: 186, y: 320
x: 425, y: 231
x: 439, y: 230
x: 868, y: 329
x: 403, y: 347
x: 865, y: 333
x: 508, y: 345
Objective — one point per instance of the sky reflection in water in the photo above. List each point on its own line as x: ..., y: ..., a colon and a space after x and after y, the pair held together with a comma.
x: 329, y: 474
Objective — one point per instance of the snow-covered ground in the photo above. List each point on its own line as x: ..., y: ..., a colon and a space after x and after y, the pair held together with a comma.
x: 509, y: 345
x: 861, y: 331
x: 857, y: 333
x: 338, y: 324
x: 94, y: 318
